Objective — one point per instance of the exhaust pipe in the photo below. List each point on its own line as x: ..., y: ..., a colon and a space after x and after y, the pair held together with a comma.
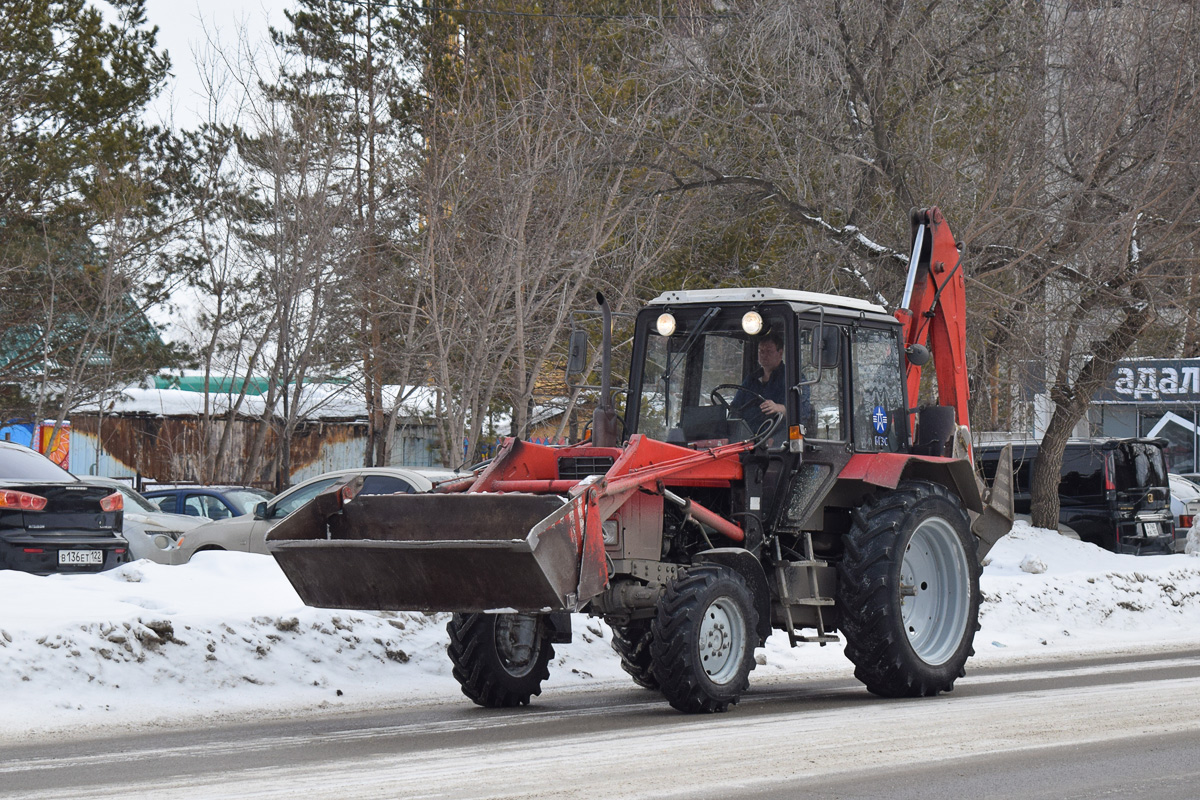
x: 604, y: 418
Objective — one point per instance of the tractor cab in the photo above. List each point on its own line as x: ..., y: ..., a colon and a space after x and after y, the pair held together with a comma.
x: 769, y: 365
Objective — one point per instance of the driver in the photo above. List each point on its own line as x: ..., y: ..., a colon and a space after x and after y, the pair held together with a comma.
x: 763, y: 389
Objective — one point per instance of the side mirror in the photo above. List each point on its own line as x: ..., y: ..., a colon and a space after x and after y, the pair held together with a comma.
x: 918, y: 354
x: 577, y: 359
x: 260, y: 511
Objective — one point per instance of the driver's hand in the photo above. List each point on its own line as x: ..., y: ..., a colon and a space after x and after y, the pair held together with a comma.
x: 771, y: 407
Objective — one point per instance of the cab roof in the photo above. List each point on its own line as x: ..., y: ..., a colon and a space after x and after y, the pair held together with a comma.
x: 759, y: 295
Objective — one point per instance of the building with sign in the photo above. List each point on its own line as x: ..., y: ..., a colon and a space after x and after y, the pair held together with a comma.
x: 1153, y: 397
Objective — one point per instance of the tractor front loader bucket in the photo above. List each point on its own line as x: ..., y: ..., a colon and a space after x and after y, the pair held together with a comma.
x: 432, y: 552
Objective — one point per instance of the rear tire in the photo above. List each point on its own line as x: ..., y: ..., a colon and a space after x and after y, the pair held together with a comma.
x: 908, y: 591
x: 632, y: 643
x: 702, y: 639
x: 500, y: 660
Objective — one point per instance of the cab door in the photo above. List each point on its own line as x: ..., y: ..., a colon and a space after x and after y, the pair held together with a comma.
x: 819, y: 398
x: 878, y: 418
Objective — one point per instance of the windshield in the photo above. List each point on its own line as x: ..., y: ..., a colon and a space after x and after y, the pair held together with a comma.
x: 710, y: 375
x: 1139, y: 464
x: 294, y: 498
x: 244, y: 500
x: 1184, y: 489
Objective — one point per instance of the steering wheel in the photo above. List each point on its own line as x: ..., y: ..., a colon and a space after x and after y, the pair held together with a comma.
x: 717, y: 399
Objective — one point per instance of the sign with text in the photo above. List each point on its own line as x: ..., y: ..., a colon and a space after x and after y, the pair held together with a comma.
x: 1153, y: 380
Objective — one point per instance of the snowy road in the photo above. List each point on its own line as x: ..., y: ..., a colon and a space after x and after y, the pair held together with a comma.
x: 789, y: 734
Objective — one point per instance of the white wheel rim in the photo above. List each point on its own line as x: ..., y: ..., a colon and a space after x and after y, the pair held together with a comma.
x: 935, y: 591
x: 722, y: 640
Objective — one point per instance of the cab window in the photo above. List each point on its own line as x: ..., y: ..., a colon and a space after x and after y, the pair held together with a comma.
x: 681, y: 372
x: 724, y: 363
x: 821, y: 402
x: 878, y: 396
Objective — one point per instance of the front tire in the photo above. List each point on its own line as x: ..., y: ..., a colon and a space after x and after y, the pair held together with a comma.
x: 702, y: 639
x: 500, y: 660
x: 632, y: 643
x: 908, y: 591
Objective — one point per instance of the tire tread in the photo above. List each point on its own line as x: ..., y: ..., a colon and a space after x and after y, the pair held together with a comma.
x: 673, y: 640
x: 472, y: 651
x: 871, y: 618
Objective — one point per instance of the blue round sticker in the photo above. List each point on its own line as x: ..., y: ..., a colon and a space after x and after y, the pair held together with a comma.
x: 879, y: 420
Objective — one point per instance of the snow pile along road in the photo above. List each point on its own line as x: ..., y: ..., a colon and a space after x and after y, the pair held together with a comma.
x: 1042, y: 590
x: 226, y: 637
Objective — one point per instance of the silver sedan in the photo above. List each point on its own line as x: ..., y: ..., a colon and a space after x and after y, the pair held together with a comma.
x: 152, y: 533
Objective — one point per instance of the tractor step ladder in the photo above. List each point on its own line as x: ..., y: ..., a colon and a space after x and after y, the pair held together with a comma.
x: 809, y: 564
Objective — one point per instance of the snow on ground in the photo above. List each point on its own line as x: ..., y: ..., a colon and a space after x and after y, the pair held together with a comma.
x: 225, y: 637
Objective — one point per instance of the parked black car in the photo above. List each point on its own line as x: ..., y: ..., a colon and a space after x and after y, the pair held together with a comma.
x: 1113, y: 493
x: 50, y: 521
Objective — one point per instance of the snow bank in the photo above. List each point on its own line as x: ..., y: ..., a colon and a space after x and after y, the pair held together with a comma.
x: 226, y: 637
x: 1085, y: 599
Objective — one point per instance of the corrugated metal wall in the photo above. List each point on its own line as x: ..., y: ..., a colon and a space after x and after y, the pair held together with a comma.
x: 168, y: 449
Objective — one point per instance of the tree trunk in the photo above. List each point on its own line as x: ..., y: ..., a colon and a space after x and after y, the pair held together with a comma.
x: 1043, y: 487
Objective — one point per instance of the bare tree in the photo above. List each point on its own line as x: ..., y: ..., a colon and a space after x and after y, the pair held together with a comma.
x: 269, y: 251
x: 1120, y: 200
x: 816, y: 126
x: 232, y: 327
x: 535, y: 197
x: 358, y: 57
x: 1060, y: 142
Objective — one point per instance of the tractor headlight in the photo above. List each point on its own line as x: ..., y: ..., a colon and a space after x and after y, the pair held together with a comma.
x: 665, y: 324
x: 611, y: 531
x: 752, y: 323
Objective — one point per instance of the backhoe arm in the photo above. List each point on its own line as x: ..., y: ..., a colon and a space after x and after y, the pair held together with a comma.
x: 933, y: 310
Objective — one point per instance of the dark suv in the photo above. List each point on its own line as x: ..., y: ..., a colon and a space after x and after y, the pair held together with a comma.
x: 1113, y: 492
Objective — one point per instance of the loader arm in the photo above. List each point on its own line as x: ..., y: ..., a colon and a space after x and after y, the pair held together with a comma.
x: 521, y: 535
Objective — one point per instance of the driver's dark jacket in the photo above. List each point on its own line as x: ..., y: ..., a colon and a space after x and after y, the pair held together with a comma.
x: 746, y: 405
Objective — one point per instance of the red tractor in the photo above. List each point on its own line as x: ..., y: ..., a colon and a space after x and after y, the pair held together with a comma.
x: 771, y: 471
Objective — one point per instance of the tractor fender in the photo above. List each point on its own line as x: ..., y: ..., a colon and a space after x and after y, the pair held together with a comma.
x: 888, y: 469
x: 750, y: 568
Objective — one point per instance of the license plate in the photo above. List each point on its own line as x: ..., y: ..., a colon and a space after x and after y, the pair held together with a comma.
x: 80, y: 557
x: 1151, y: 529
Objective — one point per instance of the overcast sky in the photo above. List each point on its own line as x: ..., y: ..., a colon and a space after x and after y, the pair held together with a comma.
x: 183, y: 29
